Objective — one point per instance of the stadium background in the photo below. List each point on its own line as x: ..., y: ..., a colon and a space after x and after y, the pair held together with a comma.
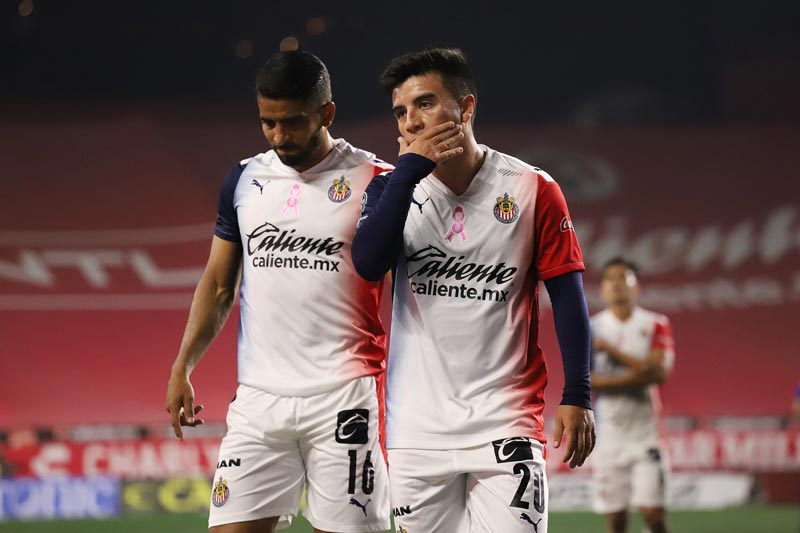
x: 673, y: 131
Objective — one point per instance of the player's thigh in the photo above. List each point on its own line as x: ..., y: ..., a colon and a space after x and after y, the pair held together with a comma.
x: 507, y: 489
x: 611, y: 484
x: 649, y: 479
x: 428, y: 493
x: 348, y: 484
x: 260, y: 469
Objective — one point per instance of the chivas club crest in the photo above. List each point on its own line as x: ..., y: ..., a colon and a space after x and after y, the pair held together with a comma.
x: 221, y: 492
x: 506, y: 209
x: 339, y: 191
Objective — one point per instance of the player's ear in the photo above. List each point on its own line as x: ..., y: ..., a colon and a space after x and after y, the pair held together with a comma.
x: 467, y: 107
x: 328, y: 112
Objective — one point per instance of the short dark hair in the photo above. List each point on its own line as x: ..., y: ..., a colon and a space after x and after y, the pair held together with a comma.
x: 449, y: 63
x: 294, y: 75
x: 620, y: 261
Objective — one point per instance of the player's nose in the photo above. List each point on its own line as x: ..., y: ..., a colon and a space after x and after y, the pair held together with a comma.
x: 279, y: 136
x: 414, y: 123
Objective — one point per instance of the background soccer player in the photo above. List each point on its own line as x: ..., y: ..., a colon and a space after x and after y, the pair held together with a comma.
x: 310, y: 340
x: 633, y: 353
x: 470, y: 232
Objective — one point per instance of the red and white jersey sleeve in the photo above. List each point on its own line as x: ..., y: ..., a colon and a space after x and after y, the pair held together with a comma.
x: 309, y: 322
x: 633, y: 416
x: 556, y: 245
x: 465, y: 366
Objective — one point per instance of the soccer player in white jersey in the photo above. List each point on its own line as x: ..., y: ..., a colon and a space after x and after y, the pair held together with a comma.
x: 633, y: 353
x: 311, y: 348
x: 469, y: 232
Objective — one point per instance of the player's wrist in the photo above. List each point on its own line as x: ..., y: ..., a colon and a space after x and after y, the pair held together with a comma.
x: 181, y: 368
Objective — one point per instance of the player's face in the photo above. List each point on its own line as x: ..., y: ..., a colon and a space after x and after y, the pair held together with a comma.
x: 619, y: 285
x: 422, y: 102
x: 294, y: 129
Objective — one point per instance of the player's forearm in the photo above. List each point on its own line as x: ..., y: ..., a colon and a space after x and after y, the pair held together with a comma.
x: 629, y: 361
x: 627, y: 382
x: 571, y: 319
x: 210, y: 309
x: 379, y: 236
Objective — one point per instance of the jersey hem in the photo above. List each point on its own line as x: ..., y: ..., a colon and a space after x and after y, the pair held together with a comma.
x: 282, y: 514
x: 305, y: 393
x: 430, y: 443
x: 346, y: 528
x: 228, y: 237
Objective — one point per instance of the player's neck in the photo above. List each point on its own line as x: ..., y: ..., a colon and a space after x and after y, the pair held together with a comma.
x: 457, y: 173
x: 622, y: 311
x: 325, y: 147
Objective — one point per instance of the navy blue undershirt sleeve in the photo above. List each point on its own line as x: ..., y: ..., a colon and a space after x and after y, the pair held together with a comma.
x: 379, y: 235
x: 227, y: 226
x: 571, y: 318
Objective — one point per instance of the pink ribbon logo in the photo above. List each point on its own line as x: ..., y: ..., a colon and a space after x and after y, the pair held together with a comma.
x: 291, y: 201
x: 459, y: 216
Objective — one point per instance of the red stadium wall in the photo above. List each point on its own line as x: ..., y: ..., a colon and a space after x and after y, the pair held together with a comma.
x: 107, y: 218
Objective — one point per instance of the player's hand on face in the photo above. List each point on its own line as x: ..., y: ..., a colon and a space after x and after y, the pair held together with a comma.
x: 180, y: 403
x: 438, y: 143
x: 576, y: 425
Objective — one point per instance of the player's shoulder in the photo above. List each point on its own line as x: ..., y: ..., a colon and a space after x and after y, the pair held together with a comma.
x: 508, y: 165
x: 350, y: 156
x: 261, y: 160
x: 236, y: 170
x: 601, y: 317
x: 652, y: 317
x: 380, y: 167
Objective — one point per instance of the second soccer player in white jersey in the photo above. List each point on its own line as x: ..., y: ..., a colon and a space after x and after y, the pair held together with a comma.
x: 633, y: 353
x: 469, y: 232
x: 311, y: 346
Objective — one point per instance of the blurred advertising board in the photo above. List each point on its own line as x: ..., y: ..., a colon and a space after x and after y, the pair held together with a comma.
x: 710, y: 490
x: 28, y: 498
x: 176, y: 495
x: 132, y: 459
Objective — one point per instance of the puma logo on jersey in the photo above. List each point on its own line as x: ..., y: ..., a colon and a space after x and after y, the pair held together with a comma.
x: 357, y: 503
x: 352, y: 426
x: 416, y: 203
x: 257, y: 184
x: 528, y: 519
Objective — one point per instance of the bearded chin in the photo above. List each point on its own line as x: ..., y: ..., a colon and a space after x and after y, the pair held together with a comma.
x: 306, y: 154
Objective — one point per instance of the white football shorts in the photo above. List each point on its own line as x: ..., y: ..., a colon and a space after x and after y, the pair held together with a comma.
x: 628, y: 476
x: 498, y: 487
x: 276, y: 445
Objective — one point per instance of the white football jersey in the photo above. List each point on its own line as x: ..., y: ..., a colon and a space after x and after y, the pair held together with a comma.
x: 309, y: 322
x: 633, y: 417
x: 465, y: 367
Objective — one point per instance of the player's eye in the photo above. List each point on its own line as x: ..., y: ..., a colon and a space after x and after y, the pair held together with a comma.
x: 295, y: 122
x: 400, y: 113
x: 268, y: 123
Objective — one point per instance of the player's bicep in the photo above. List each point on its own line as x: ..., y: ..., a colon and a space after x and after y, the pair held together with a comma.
x: 372, y: 194
x: 224, y: 264
x: 662, y: 350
